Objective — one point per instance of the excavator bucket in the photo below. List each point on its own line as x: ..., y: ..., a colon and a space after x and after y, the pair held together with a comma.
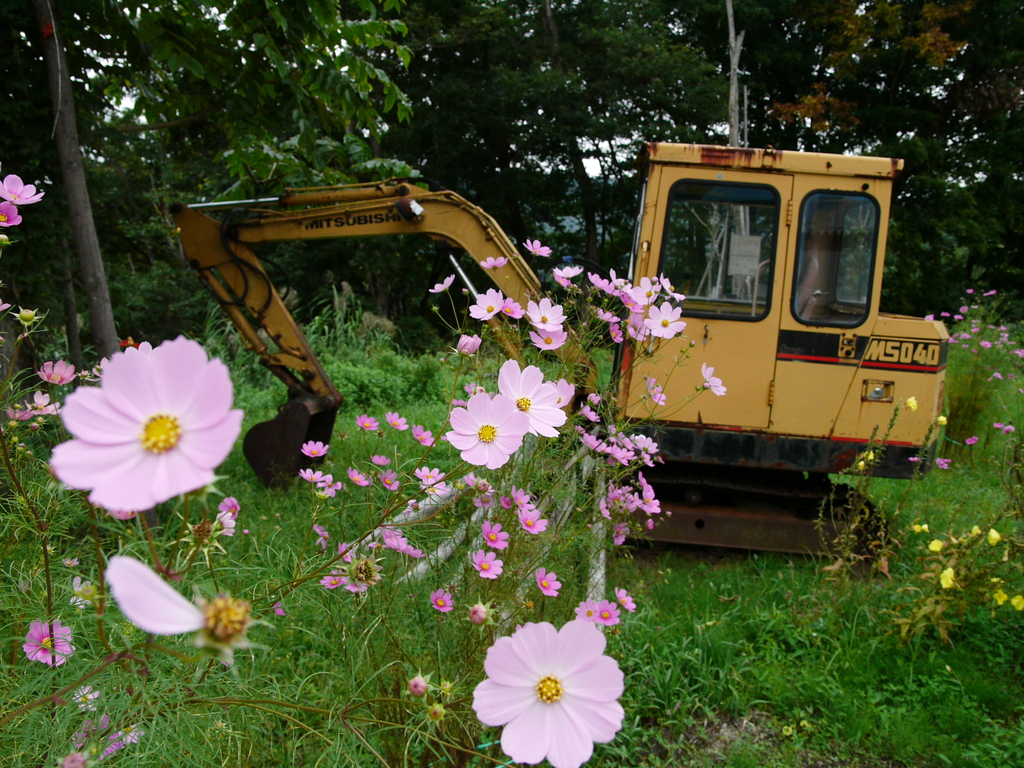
x: 274, y: 448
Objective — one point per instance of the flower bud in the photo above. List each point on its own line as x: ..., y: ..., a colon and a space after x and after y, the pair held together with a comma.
x: 468, y: 345
x: 418, y: 686
x: 479, y: 613
x: 75, y: 760
x: 26, y: 317
x: 436, y: 713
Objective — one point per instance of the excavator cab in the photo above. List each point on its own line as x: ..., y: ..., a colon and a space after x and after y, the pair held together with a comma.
x: 780, y: 256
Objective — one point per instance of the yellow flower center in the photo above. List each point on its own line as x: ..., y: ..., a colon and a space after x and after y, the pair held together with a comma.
x: 549, y: 689
x: 543, y: 318
x: 605, y: 614
x: 440, y: 602
x: 529, y: 523
x: 664, y: 323
x: 3, y: 217
x: 226, y: 617
x: 485, y: 566
x: 544, y: 583
x: 487, y: 433
x: 160, y: 433
x: 589, y: 614
x: 490, y: 307
x: 47, y: 643
x: 549, y: 340
x: 492, y: 536
x: 523, y: 404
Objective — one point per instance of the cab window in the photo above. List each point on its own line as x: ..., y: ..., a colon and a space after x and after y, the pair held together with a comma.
x: 835, y: 259
x: 719, y: 247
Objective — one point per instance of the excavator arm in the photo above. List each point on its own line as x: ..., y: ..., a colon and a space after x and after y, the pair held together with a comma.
x: 223, y: 258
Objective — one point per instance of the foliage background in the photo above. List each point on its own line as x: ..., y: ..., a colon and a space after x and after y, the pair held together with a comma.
x: 532, y: 109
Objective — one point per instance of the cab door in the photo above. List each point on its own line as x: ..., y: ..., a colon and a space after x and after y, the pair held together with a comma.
x: 720, y: 237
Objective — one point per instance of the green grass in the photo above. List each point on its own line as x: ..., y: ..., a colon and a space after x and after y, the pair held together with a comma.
x: 736, y: 659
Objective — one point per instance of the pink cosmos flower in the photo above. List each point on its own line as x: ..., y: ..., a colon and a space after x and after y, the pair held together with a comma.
x: 278, y: 609
x: 444, y: 285
x: 368, y: 423
x: 943, y: 463
x: 358, y: 477
x: 425, y: 436
x: 468, y: 345
x: 554, y: 691
x: 619, y: 533
x: 229, y: 504
x: 533, y: 396
x: 607, y: 613
x: 488, y: 430
x: 380, y: 461
x: 512, y: 308
x: 13, y: 190
x: 565, y: 391
x: 971, y: 440
x: 389, y: 480
x: 711, y: 381
x: 549, y: 340
x: 646, y: 292
x: 589, y: 413
x: 226, y: 520
x: 587, y: 611
x: 314, y: 449
x: 57, y: 373
x: 428, y: 476
x: 487, y: 565
x: 615, y: 331
x: 158, y: 425
x: 396, y: 421
x: 310, y: 476
x: 494, y: 536
x: 545, y: 316
x: 664, y: 321
x: 9, y: 216
x: 534, y: 247
x: 441, y: 600
x: 53, y: 649
x: 335, y: 580
x: 563, y: 275
x: 494, y: 263
x: 329, y: 488
x: 548, y: 583
x: 154, y: 606
x: 529, y: 518
x: 84, y: 698
x: 487, y: 305
x: 655, y: 391
x: 625, y: 600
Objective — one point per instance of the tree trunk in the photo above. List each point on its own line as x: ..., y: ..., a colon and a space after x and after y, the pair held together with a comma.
x: 70, y: 310
x: 87, y: 244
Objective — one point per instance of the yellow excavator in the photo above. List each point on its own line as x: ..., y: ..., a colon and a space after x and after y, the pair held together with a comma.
x: 780, y: 256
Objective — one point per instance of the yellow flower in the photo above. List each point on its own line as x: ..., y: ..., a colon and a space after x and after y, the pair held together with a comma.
x: 975, y: 531
x: 912, y: 403
x: 1000, y: 597
x: 920, y: 528
x: 994, y: 537
x: 787, y: 730
x: 861, y: 465
x: 942, y: 421
x: 947, y: 578
x: 1018, y: 602
x: 936, y: 545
